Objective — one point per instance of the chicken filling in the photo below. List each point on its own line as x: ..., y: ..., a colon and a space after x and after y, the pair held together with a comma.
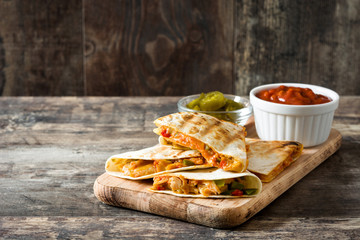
x: 178, y: 184
x: 138, y: 167
x: 212, y: 157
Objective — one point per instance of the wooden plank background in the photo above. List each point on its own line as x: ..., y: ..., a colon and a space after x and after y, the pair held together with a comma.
x: 160, y: 47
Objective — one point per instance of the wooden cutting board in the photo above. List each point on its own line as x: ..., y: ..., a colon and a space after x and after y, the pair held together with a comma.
x: 217, y: 213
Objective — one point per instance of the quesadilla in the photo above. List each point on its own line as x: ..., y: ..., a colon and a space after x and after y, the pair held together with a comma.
x: 153, y: 161
x: 221, y: 143
x: 269, y: 158
x: 208, y: 183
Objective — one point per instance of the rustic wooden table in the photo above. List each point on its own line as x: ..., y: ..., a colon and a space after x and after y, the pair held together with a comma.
x: 53, y: 148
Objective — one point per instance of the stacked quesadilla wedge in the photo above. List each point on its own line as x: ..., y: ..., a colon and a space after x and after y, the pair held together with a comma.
x: 152, y: 161
x: 267, y: 159
x: 208, y: 183
x: 201, y: 156
x: 221, y: 143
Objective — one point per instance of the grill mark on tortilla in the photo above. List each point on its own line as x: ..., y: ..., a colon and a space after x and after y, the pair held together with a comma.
x: 210, y: 126
x: 290, y: 143
x: 216, y: 126
x: 294, y: 147
x: 229, y: 137
x: 187, y: 117
x: 196, y: 123
x: 186, y: 120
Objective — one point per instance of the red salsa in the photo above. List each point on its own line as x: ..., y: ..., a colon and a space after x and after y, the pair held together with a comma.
x: 292, y: 96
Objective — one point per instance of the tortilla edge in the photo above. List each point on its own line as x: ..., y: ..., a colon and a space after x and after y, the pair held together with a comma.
x: 168, y: 192
x: 119, y: 174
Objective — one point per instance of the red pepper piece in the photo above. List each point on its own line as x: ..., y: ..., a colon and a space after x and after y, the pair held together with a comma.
x: 222, y: 164
x: 237, y: 192
x: 165, y: 133
x: 160, y: 188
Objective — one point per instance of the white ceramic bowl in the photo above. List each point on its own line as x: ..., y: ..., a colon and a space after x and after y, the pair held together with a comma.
x: 239, y: 116
x: 308, y: 124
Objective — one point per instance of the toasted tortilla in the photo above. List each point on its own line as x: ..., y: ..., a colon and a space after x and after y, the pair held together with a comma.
x: 251, y: 181
x: 157, y: 152
x: 225, y: 139
x: 267, y: 159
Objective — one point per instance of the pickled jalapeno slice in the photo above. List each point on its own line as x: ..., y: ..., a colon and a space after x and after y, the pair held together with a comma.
x: 214, y: 101
x: 232, y: 105
x: 195, y: 103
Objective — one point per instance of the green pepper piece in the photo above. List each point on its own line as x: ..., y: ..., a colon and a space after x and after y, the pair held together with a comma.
x: 212, y: 101
x: 250, y: 191
x: 236, y: 185
x: 188, y: 162
x: 220, y: 183
x: 195, y: 102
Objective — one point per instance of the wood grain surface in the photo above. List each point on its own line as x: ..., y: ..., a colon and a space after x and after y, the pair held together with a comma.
x: 53, y: 149
x: 173, y: 48
x: 158, y: 47
x: 218, y: 213
x: 41, y: 48
x: 298, y: 41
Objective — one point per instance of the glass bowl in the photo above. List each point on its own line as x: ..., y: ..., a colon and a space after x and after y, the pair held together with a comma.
x: 239, y: 116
